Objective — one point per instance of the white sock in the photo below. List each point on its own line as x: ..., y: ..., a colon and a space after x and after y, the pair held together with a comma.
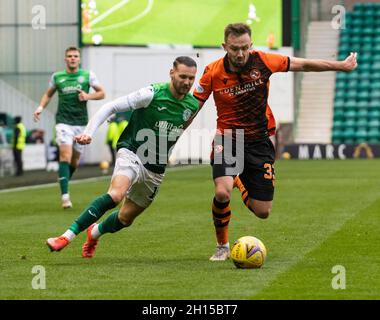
x: 95, y: 234
x: 69, y: 235
x: 225, y: 245
x: 65, y: 197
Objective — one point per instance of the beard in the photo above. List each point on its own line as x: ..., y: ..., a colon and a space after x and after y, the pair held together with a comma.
x: 182, y: 90
x: 238, y: 64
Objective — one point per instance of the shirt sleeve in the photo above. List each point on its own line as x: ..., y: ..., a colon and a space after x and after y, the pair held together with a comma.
x: 135, y: 100
x: 52, y: 82
x: 275, y: 62
x: 203, y: 88
x: 93, y: 80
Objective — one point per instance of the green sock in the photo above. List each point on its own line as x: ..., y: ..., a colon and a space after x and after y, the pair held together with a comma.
x: 72, y: 170
x: 92, y: 213
x: 111, y: 224
x: 64, y: 176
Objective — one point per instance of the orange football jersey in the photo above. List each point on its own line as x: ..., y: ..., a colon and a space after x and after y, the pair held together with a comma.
x: 241, y: 99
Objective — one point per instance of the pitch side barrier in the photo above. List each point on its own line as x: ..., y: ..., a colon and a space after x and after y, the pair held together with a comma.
x: 331, y: 151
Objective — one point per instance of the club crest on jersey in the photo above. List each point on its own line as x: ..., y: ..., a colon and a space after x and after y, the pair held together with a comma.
x: 199, y: 88
x: 80, y: 79
x: 218, y: 148
x: 186, y: 114
x: 255, y: 74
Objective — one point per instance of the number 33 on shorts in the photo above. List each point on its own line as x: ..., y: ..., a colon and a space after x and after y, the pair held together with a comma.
x: 269, y: 172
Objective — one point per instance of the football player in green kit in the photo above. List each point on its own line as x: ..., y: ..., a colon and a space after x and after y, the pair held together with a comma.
x: 73, y: 86
x: 160, y: 114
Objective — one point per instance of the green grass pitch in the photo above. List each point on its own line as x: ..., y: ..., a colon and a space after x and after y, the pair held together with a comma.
x: 326, y: 213
x: 195, y: 22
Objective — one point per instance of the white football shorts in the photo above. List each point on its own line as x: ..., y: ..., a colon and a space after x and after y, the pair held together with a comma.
x: 144, y: 183
x: 65, y: 135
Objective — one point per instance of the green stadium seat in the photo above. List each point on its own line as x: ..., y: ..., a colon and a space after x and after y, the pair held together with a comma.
x: 361, y: 135
x: 338, y: 124
x: 375, y: 85
x: 363, y: 95
x: 366, y: 40
x: 373, y: 136
x: 337, y: 135
x: 355, y: 75
x: 355, y: 40
x: 365, y: 58
x: 344, y: 49
x: 349, y: 123
x: 364, y: 75
x: 366, y: 47
x: 338, y: 114
x: 352, y: 85
x: 348, y: 135
x: 376, y: 47
x: 340, y: 94
x: 362, y: 122
x: 362, y: 113
x: 374, y: 123
x: 351, y: 94
x: 341, y: 76
x: 375, y: 76
x: 340, y: 85
x: 339, y: 103
x: 344, y: 39
x: 375, y: 94
x: 364, y: 67
x: 350, y: 104
x: 376, y: 66
x: 362, y: 105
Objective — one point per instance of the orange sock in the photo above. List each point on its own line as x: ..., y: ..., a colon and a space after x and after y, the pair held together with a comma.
x: 221, y: 213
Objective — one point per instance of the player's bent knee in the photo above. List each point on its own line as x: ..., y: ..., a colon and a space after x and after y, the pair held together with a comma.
x: 260, y: 209
x: 116, y: 196
x: 262, y: 214
x: 222, y: 195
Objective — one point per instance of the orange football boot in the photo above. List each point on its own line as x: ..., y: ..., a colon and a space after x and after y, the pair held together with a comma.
x: 89, y: 246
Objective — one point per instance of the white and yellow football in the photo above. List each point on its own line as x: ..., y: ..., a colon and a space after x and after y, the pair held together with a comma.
x: 248, y: 252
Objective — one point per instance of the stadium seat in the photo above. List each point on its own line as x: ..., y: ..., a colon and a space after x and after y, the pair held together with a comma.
x: 340, y: 85
x: 348, y: 135
x: 363, y: 95
x: 374, y: 124
x: 350, y: 123
x: 361, y: 135
x: 362, y: 113
x: 373, y: 136
x: 362, y: 122
x: 339, y: 114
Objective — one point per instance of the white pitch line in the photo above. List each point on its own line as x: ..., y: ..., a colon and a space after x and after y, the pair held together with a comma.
x: 124, y: 23
x: 108, y: 12
x: 54, y: 184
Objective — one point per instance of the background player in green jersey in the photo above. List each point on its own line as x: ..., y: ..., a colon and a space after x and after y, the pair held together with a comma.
x: 160, y: 114
x: 73, y: 86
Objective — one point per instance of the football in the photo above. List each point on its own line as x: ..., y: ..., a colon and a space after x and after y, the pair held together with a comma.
x: 248, y: 252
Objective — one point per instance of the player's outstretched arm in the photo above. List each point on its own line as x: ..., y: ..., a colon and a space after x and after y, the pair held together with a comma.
x: 318, y: 65
x: 44, y: 102
x: 135, y: 100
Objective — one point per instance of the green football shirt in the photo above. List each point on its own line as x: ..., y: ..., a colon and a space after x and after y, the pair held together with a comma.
x: 154, y: 129
x: 71, y: 111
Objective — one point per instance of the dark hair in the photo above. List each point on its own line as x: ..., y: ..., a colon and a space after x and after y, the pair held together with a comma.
x: 236, y: 29
x: 72, y: 48
x: 187, y: 61
x: 17, y: 119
